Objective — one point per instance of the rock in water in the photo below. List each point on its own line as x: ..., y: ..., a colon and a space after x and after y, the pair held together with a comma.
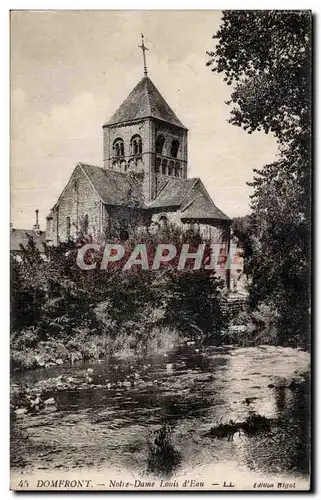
x: 21, y: 411
x: 50, y: 401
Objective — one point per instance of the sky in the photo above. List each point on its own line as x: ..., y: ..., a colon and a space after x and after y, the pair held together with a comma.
x: 71, y: 70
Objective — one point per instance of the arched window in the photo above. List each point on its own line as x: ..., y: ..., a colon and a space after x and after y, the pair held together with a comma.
x: 157, y: 165
x: 177, y: 169
x: 68, y: 228
x: 131, y: 165
x: 171, y: 168
x: 136, y: 146
x: 164, y: 167
x: 160, y: 141
x: 86, y: 224
x: 118, y: 148
x: 163, y: 221
x: 174, y: 148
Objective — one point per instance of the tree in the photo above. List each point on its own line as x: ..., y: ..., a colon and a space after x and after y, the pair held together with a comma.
x: 266, y: 58
x: 54, y: 300
x: 242, y: 231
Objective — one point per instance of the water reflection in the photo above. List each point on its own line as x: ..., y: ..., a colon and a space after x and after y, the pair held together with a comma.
x: 286, y: 446
x: 156, y: 413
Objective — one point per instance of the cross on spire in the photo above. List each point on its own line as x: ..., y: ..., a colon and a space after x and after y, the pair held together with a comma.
x: 142, y: 46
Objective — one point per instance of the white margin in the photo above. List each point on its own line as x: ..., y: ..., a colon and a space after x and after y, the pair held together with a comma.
x: 4, y: 197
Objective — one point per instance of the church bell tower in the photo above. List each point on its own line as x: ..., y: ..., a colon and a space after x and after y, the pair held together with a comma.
x: 145, y: 139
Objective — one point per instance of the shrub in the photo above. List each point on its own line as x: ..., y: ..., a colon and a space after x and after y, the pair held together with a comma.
x: 89, y: 311
x: 261, y: 326
x: 163, y: 458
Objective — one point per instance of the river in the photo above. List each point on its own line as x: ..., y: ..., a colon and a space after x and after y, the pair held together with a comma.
x: 110, y: 425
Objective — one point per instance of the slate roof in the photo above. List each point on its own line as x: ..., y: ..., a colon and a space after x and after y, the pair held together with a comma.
x: 197, y: 205
x: 121, y: 189
x: 202, y: 208
x: 144, y: 101
x: 173, y: 193
x: 114, y: 188
x: 20, y: 236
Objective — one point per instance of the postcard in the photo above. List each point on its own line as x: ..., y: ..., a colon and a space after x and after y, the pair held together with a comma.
x: 160, y: 250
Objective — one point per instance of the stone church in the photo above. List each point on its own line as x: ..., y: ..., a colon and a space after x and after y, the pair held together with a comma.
x: 144, y: 179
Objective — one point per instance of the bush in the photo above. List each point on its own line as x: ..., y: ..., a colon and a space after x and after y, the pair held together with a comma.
x: 102, y: 311
x: 159, y: 341
x: 26, y: 338
x: 163, y: 458
x: 23, y: 359
x: 261, y: 326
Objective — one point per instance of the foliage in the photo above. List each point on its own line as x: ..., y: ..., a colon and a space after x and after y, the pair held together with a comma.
x: 241, y: 230
x: 53, y: 300
x: 48, y: 293
x: 252, y: 425
x: 163, y: 458
x: 266, y: 57
x: 262, y: 326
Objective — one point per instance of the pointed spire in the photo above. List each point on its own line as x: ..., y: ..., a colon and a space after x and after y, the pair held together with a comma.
x: 142, y: 46
x: 144, y: 101
x: 36, y: 227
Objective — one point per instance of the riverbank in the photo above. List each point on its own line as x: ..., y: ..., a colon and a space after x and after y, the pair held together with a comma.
x: 32, y: 397
x: 28, y: 353
x: 95, y: 415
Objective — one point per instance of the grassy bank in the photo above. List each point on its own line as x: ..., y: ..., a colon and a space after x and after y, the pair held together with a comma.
x: 61, y: 313
x: 27, y: 352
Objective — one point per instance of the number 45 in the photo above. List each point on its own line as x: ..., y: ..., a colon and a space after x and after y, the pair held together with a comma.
x: 23, y: 484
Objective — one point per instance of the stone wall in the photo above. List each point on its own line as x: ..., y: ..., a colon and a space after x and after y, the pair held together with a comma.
x: 172, y: 216
x: 140, y: 164
x: 124, y: 219
x: 125, y: 131
x: 209, y: 229
x: 144, y: 163
x: 233, y: 304
x: 169, y: 133
x: 77, y: 201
